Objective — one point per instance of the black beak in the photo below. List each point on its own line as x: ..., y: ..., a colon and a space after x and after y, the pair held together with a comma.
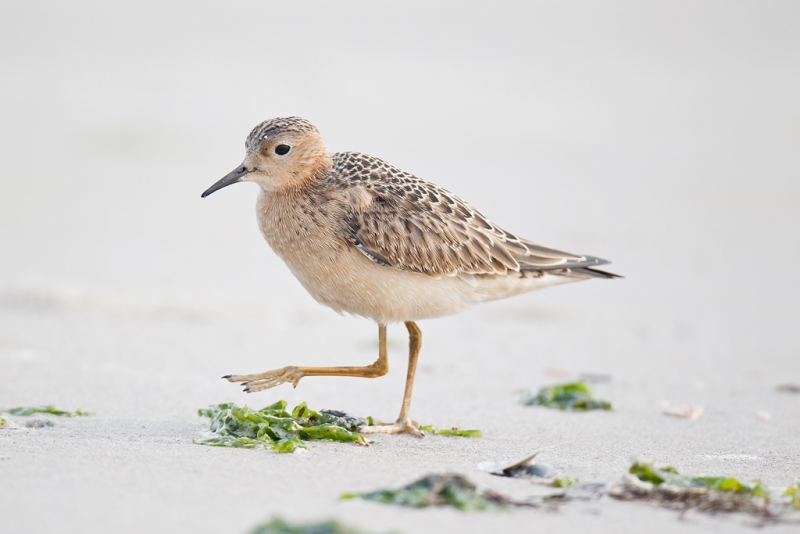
x: 230, y: 178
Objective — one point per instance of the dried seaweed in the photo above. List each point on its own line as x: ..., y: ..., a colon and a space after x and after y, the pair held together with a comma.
x: 275, y: 428
x: 279, y: 526
x: 30, y: 410
x: 666, y: 487
x: 438, y: 490
x: 573, y: 397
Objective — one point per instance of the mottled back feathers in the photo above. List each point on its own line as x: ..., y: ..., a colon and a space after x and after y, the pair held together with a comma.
x: 407, y: 223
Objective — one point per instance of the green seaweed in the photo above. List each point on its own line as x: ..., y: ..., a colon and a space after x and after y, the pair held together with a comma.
x: 794, y: 493
x: 30, y: 410
x: 3, y: 421
x: 667, y: 488
x: 275, y: 428
x: 670, y: 476
x: 574, y: 397
x: 455, y: 431
x: 564, y: 482
x: 436, y: 490
x: 279, y: 526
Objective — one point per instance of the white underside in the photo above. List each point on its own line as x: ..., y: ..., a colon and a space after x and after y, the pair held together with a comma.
x: 356, y: 285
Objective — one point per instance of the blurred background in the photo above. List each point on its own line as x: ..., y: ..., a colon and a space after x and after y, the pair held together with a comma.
x: 664, y: 136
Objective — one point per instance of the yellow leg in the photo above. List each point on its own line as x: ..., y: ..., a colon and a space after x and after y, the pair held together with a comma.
x: 404, y: 422
x: 270, y: 379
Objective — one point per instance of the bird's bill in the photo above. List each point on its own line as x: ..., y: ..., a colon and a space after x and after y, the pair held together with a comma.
x: 232, y: 177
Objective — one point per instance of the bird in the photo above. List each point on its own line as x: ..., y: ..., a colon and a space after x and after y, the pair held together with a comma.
x: 368, y: 239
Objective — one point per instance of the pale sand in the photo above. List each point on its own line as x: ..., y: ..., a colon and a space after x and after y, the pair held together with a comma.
x: 663, y: 140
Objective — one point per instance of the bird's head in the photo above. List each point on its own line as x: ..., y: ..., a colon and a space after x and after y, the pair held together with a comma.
x: 280, y: 153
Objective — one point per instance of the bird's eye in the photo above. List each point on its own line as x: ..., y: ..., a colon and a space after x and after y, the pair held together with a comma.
x: 282, y: 150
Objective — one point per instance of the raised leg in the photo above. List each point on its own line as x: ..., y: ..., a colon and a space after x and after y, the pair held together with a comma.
x: 270, y: 379
x: 404, y: 422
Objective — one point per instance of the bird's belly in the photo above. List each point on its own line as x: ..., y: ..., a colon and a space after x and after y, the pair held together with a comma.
x: 348, y: 282
x: 345, y: 280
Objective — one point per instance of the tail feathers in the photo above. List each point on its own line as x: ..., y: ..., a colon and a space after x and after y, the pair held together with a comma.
x: 569, y: 264
x: 595, y: 273
x: 586, y: 266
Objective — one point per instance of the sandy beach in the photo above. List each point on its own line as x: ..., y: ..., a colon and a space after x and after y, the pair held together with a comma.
x: 661, y: 137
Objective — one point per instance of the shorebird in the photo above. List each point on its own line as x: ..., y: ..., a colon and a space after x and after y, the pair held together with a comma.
x: 368, y: 239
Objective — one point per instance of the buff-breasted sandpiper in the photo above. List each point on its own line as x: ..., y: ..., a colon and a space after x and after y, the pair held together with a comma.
x: 366, y: 238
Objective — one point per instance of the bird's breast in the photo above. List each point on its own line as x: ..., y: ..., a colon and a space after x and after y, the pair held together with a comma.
x: 300, y: 230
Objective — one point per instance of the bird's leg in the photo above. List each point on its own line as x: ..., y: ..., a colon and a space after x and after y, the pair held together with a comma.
x: 270, y: 379
x: 404, y: 422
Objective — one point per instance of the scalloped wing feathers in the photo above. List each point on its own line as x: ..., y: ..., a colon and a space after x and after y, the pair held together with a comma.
x: 401, y: 221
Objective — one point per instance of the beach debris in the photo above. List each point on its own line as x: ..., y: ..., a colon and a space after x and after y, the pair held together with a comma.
x: 274, y: 428
x: 545, y: 474
x: 50, y: 409
x: 572, y: 397
x: 454, y: 431
x: 577, y: 490
x: 519, y: 469
x: 439, y: 490
x: 788, y: 388
x: 794, y: 493
x: 39, y: 423
x: 663, y: 486
x: 648, y: 472
x: 3, y: 421
x: 667, y: 488
x: 587, y: 490
x: 689, y: 412
x: 280, y: 526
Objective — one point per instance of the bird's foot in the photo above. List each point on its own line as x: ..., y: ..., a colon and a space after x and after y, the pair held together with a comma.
x: 406, y: 425
x: 268, y: 379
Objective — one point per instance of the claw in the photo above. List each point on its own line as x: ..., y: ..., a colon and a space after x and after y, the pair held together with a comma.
x: 226, y: 377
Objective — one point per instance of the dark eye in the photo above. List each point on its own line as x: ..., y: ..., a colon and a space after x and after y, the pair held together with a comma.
x: 282, y: 150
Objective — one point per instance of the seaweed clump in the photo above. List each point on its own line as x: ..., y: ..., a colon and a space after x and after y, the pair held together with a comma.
x: 666, y: 487
x: 3, y: 421
x: 275, y: 428
x: 279, y: 526
x: 52, y: 410
x: 437, y: 490
x: 573, y: 397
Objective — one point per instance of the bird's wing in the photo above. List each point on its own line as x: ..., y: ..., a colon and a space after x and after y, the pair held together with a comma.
x: 400, y: 221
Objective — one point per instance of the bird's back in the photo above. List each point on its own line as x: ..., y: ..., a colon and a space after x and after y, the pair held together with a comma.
x: 402, y: 221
